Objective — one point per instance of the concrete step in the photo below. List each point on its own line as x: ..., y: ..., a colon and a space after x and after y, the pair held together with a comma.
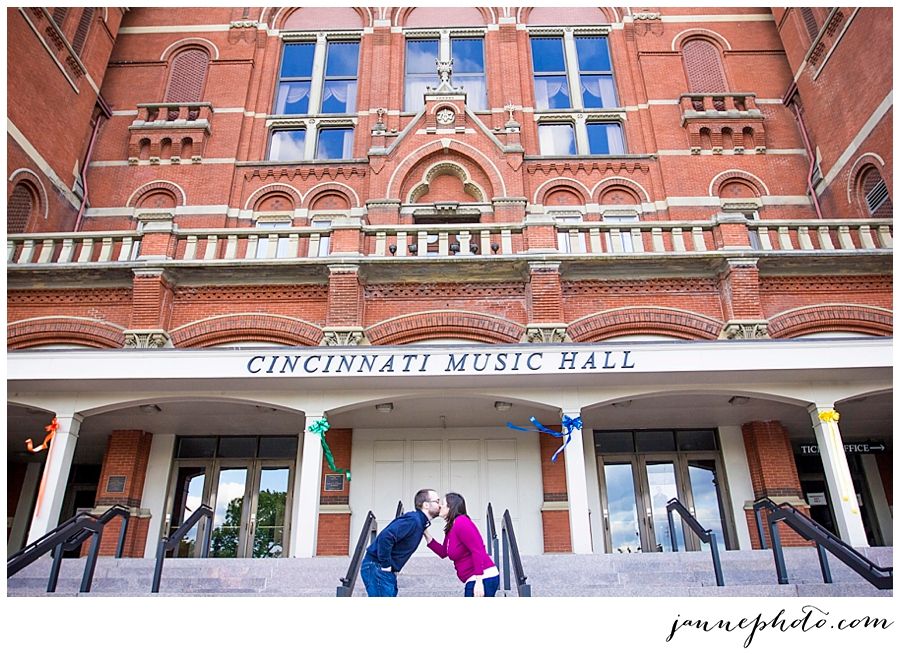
x: 682, y: 574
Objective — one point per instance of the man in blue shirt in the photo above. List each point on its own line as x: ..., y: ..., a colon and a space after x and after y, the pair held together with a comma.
x: 396, y: 543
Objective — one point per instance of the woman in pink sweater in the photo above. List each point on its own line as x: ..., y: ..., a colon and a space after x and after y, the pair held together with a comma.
x: 465, y: 547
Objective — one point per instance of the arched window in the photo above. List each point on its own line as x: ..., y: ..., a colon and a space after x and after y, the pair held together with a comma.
x: 18, y: 211
x: 81, y: 33
x: 875, y: 193
x: 703, y: 67
x: 187, y: 76
x: 809, y: 20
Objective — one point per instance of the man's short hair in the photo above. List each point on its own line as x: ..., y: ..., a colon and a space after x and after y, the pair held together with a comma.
x: 422, y: 497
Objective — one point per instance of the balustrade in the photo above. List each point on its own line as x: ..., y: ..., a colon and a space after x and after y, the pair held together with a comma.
x: 444, y: 240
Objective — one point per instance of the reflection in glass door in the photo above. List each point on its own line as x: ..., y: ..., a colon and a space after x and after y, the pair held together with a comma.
x: 229, y: 520
x: 660, y: 488
x: 621, y: 512
x: 705, y: 498
x: 187, y: 496
x: 270, y: 511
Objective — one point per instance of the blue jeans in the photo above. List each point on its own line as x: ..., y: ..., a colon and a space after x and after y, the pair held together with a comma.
x: 491, y: 584
x: 378, y: 582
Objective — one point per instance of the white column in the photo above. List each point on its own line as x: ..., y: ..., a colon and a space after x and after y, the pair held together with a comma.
x: 740, y: 485
x: 837, y: 474
x: 24, y: 507
x: 307, y: 491
x: 56, y: 474
x: 576, y: 489
x: 162, y: 447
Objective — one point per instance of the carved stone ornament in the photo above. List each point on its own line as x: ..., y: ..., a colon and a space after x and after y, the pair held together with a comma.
x: 342, y: 337
x: 445, y: 116
x: 546, y: 335
x: 444, y: 70
x: 745, y: 331
x: 144, y: 339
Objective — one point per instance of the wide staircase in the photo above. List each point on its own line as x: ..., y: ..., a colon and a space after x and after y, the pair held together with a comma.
x: 751, y: 573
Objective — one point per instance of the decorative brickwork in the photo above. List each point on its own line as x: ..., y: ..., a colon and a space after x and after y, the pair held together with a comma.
x: 557, y: 534
x: 644, y: 320
x: 62, y: 329
x: 334, y: 528
x: 238, y: 327
x: 830, y: 318
x: 444, y: 324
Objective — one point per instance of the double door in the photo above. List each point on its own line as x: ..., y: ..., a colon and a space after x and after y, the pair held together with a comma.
x: 251, y: 501
x: 634, y: 491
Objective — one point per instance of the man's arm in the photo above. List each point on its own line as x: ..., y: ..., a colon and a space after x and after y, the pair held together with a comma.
x: 395, y: 531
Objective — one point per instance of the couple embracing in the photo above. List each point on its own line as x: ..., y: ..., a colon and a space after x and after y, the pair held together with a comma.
x: 462, y: 544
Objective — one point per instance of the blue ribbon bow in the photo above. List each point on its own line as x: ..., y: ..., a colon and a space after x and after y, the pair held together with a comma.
x: 568, y: 425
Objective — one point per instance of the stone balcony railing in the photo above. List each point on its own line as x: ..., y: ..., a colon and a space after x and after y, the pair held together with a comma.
x: 173, y: 131
x: 644, y: 239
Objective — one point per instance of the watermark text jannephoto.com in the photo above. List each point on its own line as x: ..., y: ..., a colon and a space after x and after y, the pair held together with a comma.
x: 810, y: 619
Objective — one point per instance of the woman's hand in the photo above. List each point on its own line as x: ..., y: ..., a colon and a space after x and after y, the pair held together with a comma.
x: 478, y: 591
x: 428, y: 537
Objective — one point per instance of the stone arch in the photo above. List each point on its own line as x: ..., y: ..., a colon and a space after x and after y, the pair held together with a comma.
x: 710, y: 36
x: 602, y: 187
x: 74, y: 330
x: 861, y: 179
x: 315, y: 18
x: 314, y: 195
x: 814, y: 318
x: 469, y: 188
x: 142, y: 193
x: 409, y: 328
x: 447, y: 148
x: 284, y: 189
x: 194, y: 42
x: 437, y: 17
x: 246, y: 326
x: 662, y: 321
x: 736, y: 176
x: 545, y: 193
x: 574, y: 15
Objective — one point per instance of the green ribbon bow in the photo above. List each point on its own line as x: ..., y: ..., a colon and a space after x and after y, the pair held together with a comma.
x: 319, y: 427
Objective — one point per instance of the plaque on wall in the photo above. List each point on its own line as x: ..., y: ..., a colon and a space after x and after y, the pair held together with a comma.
x: 334, y: 482
x: 115, y: 484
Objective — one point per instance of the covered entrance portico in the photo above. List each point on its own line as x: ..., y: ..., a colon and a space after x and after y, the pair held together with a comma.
x: 721, y: 414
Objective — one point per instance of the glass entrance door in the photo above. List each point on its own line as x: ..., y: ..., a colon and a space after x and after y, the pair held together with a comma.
x: 250, y: 497
x: 636, y: 487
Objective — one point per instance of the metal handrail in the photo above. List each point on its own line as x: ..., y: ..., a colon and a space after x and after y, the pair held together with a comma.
x: 882, y: 577
x: 511, y: 553
x: 705, y: 535
x: 348, y: 581
x: 399, y: 511
x: 493, y: 543
x: 170, y: 543
x: 68, y: 536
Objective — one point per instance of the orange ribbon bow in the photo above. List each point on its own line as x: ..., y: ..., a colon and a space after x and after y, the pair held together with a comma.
x: 51, y: 432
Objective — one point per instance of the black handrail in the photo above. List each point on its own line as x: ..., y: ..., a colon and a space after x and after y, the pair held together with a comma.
x: 66, y: 537
x: 511, y: 552
x: 170, y: 543
x: 493, y: 543
x: 399, y: 509
x: 348, y: 581
x: 882, y: 577
x: 706, y: 535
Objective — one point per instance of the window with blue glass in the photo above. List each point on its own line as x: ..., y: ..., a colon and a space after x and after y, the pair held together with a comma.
x: 551, y: 86
x: 304, y: 90
x: 605, y: 138
x: 468, y: 69
x: 335, y: 144
x: 288, y: 145
x: 595, y: 72
x: 557, y: 139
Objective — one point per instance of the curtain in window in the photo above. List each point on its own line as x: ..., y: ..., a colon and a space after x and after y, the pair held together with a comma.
x: 598, y: 91
x: 339, y: 97
x: 415, y: 92
x: 556, y: 139
x: 551, y: 92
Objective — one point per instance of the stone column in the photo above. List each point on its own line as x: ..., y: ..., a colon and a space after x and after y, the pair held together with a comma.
x: 307, y: 487
x: 576, y: 488
x: 56, y: 475
x: 837, y: 474
x: 27, y: 497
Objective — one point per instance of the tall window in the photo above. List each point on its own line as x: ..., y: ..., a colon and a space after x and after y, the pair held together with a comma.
x: 809, y: 21
x: 187, y: 76
x: 557, y: 139
x: 468, y: 68
x: 59, y: 15
x: 316, y: 79
x: 703, y: 67
x: 572, y: 72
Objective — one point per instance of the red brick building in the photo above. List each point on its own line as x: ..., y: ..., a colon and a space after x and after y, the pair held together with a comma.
x: 421, y: 224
